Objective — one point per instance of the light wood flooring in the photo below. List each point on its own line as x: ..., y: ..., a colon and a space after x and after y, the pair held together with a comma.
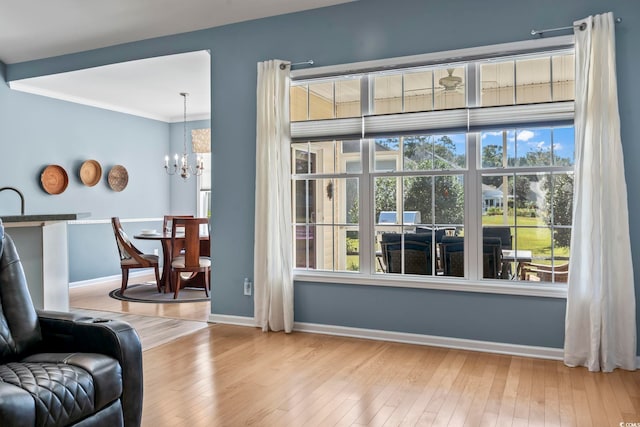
x: 222, y: 375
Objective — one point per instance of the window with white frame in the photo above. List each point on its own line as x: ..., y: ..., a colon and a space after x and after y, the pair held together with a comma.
x: 204, y: 188
x: 447, y: 170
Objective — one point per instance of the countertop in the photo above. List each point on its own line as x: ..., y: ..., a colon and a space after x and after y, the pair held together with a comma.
x: 42, y: 217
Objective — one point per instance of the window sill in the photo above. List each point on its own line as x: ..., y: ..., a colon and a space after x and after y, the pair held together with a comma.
x: 504, y: 287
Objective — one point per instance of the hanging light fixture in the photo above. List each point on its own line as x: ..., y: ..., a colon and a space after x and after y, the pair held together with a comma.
x: 185, y: 169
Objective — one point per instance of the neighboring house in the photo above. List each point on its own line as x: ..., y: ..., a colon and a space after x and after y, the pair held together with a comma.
x: 492, y: 197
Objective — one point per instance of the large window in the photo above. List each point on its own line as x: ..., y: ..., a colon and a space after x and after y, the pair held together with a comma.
x: 453, y: 171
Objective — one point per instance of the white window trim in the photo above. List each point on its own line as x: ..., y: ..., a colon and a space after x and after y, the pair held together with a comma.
x: 356, y: 125
x: 498, y: 286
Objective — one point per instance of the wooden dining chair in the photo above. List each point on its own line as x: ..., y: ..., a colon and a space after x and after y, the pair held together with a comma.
x: 132, y: 257
x: 191, y: 259
x: 168, y: 222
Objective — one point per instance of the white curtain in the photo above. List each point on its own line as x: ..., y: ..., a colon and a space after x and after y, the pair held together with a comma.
x: 600, y: 328
x: 273, y: 282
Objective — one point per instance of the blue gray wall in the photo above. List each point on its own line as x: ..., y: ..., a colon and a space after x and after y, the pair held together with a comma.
x: 364, y: 30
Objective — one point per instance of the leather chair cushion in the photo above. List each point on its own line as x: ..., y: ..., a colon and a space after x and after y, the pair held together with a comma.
x: 178, y: 262
x: 65, y: 387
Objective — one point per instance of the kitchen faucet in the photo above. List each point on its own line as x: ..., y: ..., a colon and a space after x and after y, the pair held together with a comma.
x: 19, y: 194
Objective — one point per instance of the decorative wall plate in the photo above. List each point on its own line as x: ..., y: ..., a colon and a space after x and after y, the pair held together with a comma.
x: 90, y: 173
x: 54, y: 179
x: 118, y: 178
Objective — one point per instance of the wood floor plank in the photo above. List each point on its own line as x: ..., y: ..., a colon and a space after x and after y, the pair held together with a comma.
x: 224, y: 375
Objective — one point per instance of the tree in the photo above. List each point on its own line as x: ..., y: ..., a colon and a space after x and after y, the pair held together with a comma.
x: 446, y: 191
x: 559, y: 200
x: 385, y: 193
x: 424, y: 153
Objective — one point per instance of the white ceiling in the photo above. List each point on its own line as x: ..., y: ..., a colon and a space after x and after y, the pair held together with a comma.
x: 148, y: 88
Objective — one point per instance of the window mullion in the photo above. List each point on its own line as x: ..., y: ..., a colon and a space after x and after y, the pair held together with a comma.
x: 473, y: 211
x: 366, y: 230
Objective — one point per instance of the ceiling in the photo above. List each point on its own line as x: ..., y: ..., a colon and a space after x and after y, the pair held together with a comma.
x: 147, y: 88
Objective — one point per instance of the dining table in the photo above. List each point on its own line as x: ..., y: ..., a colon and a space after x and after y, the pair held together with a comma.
x: 169, y: 251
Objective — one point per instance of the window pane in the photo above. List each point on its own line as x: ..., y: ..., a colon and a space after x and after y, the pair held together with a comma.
x: 536, y: 223
x: 496, y: 195
x: 326, y: 157
x: 418, y: 91
x: 304, y: 192
x: 339, y: 204
x: 387, y: 154
x: 533, y: 80
x: 498, y: 148
x: 563, y: 69
x: 298, y: 101
x: 326, y: 201
x: 326, y: 242
x: 560, y: 198
x: 304, y: 236
x: 407, y: 253
x: 563, y: 146
x: 450, y: 89
x: 418, y: 200
x: 385, y: 192
x: 335, y: 251
x: 449, y: 202
x: 303, y: 160
x: 349, y: 156
x: 326, y: 234
x: 434, y: 152
x: 533, y: 147
x: 527, y: 147
x: 387, y: 92
x: 497, y: 83
x: 348, y: 98
x: 321, y: 101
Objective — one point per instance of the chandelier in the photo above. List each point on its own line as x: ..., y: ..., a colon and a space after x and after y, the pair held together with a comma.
x: 185, y: 169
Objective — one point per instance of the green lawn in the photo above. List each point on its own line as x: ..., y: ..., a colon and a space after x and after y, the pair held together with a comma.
x: 536, y: 240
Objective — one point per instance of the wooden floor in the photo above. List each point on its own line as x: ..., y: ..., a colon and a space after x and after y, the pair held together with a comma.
x: 224, y: 375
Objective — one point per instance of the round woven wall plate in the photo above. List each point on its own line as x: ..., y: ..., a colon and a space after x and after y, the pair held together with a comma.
x: 54, y: 179
x: 90, y: 173
x: 118, y: 178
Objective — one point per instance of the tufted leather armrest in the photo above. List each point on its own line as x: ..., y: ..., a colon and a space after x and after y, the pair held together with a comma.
x: 68, y: 332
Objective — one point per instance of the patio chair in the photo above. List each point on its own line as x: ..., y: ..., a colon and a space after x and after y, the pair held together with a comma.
x: 416, y: 249
x: 452, y: 253
x: 544, y: 272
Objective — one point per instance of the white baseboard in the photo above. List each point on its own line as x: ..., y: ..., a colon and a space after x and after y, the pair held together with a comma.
x: 434, y: 341
x: 116, y: 277
x: 232, y: 320
x: 407, y: 338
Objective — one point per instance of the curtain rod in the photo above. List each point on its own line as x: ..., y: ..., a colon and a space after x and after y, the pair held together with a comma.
x: 581, y: 27
x: 309, y: 62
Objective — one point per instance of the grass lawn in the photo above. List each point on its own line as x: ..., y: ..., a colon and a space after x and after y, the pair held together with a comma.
x: 536, y: 239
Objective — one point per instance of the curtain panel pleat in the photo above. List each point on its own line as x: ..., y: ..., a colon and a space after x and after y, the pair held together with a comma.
x: 273, y: 277
x: 600, y: 325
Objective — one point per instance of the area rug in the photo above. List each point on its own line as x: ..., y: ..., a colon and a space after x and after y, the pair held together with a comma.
x: 148, y: 292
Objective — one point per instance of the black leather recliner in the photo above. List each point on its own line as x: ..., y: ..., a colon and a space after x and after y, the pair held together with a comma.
x: 61, y: 369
